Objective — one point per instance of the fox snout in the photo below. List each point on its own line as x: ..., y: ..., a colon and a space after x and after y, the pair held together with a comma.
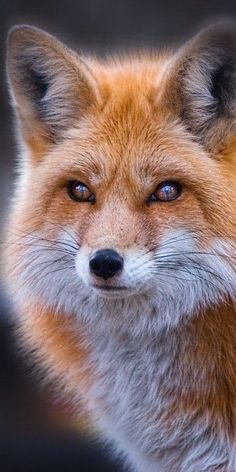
x: 112, y: 269
x: 106, y: 263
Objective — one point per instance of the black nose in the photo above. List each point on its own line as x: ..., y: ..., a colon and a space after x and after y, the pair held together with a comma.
x: 106, y: 263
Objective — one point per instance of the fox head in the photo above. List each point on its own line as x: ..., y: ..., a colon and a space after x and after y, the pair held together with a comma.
x: 125, y: 202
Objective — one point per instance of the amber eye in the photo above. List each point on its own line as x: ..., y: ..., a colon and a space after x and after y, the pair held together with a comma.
x: 80, y: 192
x: 166, y: 192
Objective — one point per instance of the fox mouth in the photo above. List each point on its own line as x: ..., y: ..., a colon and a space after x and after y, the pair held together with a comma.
x: 108, y: 291
x: 109, y: 288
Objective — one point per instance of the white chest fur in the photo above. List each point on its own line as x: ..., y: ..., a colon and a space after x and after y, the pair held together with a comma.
x: 136, y: 397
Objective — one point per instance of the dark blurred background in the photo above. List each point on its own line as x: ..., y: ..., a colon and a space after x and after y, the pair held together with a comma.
x: 36, y: 433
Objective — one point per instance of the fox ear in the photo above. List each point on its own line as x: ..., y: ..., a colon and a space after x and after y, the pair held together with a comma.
x: 202, y: 85
x: 51, y: 86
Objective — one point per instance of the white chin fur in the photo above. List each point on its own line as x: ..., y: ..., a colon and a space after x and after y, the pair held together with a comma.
x: 163, y: 288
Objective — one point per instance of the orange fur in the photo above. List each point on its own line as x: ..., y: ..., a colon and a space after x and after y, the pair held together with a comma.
x: 128, y: 135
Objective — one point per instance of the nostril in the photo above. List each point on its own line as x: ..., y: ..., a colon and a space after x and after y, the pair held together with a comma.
x: 94, y: 264
x: 114, y: 265
x: 106, y: 263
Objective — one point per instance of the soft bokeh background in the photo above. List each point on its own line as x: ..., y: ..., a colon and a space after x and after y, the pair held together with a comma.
x: 36, y: 434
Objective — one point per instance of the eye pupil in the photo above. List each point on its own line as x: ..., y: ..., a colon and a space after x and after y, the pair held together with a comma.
x: 80, y: 192
x: 166, y: 191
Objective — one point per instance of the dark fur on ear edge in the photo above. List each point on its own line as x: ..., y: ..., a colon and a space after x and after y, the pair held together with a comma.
x: 202, y: 84
x: 49, y: 83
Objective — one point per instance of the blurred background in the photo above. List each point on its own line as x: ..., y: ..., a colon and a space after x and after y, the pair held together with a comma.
x: 36, y: 432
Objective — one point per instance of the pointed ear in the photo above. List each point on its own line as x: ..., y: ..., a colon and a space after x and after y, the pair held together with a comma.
x: 50, y: 85
x: 201, y: 87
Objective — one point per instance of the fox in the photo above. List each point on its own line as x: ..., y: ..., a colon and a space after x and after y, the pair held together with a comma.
x: 120, y: 254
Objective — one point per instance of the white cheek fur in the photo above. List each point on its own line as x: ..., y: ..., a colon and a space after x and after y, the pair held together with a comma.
x: 166, y: 287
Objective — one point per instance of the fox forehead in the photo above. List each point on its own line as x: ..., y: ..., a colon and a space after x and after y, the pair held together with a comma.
x: 121, y: 77
x: 130, y: 133
x: 128, y: 127
x: 138, y: 152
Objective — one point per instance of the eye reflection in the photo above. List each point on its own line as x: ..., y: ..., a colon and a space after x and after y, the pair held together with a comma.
x: 79, y: 192
x: 166, y: 192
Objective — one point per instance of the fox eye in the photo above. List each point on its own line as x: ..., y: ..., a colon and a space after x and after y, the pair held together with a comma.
x: 166, y: 192
x: 80, y: 192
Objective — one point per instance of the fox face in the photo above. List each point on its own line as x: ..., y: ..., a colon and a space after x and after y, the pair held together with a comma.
x: 125, y: 204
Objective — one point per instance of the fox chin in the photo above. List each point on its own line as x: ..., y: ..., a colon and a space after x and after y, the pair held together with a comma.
x: 120, y: 251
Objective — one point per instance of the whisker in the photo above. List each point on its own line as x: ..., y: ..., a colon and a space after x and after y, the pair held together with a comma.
x: 23, y: 235
x: 40, y: 248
